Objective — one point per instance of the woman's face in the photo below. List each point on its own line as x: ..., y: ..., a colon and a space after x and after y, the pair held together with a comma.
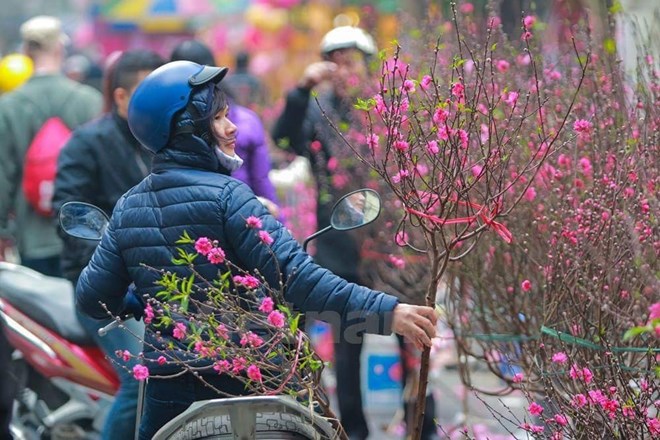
x: 225, y: 132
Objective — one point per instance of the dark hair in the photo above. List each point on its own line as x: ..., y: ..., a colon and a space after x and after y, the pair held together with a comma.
x: 195, y: 51
x: 218, y: 103
x: 124, y: 71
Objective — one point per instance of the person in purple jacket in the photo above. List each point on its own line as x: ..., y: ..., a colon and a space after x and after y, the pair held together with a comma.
x: 251, y: 144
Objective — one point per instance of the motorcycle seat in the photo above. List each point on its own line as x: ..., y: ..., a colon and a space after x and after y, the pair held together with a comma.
x: 47, y: 300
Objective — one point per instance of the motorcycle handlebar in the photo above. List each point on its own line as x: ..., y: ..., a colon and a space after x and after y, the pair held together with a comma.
x: 104, y: 330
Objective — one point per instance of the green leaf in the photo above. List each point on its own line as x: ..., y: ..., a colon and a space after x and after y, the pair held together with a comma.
x: 636, y: 331
x: 184, y: 304
x: 314, y: 364
x: 186, y: 285
x: 365, y: 104
x: 185, y: 239
x: 458, y: 62
x: 616, y: 7
x: 293, y: 325
x: 284, y: 309
x: 609, y: 45
x: 163, y: 294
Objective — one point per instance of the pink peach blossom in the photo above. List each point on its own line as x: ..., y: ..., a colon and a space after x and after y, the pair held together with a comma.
x: 559, y: 357
x: 425, y: 82
x: 216, y: 256
x: 140, y: 372
x: 203, y: 245
x: 502, y: 65
x: 238, y: 365
x: 276, y: 318
x: 222, y: 331
x: 432, y: 147
x: 254, y: 373
x: 179, y: 331
x: 265, y: 237
x: 535, y: 409
x: 409, y: 86
x: 529, y: 21
x: 222, y: 366
x: 266, y: 305
x: 560, y: 419
x: 247, y: 281
x: 148, y: 314
x: 253, y: 222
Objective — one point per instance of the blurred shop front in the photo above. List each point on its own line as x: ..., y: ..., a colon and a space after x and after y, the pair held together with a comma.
x: 281, y: 36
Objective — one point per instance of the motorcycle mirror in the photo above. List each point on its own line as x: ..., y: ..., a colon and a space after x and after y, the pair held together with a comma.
x: 354, y: 210
x: 82, y: 220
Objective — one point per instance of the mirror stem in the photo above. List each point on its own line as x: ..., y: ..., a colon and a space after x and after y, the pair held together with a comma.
x: 314, y: 235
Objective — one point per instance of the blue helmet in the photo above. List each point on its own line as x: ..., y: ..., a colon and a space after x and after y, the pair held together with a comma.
x: 163, y: 93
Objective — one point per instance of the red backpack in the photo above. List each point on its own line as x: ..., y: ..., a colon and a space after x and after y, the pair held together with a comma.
x: 40, y: 164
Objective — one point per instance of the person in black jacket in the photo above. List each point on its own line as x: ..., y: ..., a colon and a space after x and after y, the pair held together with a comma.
x: 102, y: 161
x: 180, y: 113
x: 346, y: 51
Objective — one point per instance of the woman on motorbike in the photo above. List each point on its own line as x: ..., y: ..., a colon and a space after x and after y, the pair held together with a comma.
x: 179, y: 112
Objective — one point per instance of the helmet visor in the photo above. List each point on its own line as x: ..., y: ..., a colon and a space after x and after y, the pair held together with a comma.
x: 208, y: 74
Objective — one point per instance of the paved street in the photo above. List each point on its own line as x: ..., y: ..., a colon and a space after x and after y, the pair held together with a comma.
x: 382, y: 398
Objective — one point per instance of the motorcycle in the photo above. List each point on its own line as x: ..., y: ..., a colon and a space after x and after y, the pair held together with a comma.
x: 64, y: 382
x: 248, y: 417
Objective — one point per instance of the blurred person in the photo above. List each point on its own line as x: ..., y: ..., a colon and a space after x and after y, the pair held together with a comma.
x: 77, y: 67
x: 102, y: 161
x: 245, y: 86
x: 180, y: 114
x: 15, y: 70
x: 303, y: 127
x: 23, y: 112
x: 84, y: 69
x: 251, y: 141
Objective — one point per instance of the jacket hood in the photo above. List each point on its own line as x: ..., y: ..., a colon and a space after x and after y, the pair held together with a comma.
x: 188, y: 151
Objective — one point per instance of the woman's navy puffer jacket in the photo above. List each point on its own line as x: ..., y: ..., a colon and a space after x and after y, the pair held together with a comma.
x: 188, y: 190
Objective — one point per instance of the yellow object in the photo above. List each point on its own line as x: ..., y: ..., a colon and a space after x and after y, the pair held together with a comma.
x: 15, y: 69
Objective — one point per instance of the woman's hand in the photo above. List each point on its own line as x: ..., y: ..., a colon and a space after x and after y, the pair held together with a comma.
x: 417, y: 323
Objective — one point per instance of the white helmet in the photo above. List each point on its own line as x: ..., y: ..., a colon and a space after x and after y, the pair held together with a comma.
x: 345, y: 37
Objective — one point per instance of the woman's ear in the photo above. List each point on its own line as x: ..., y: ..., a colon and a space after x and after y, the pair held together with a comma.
x: 121, y: 97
